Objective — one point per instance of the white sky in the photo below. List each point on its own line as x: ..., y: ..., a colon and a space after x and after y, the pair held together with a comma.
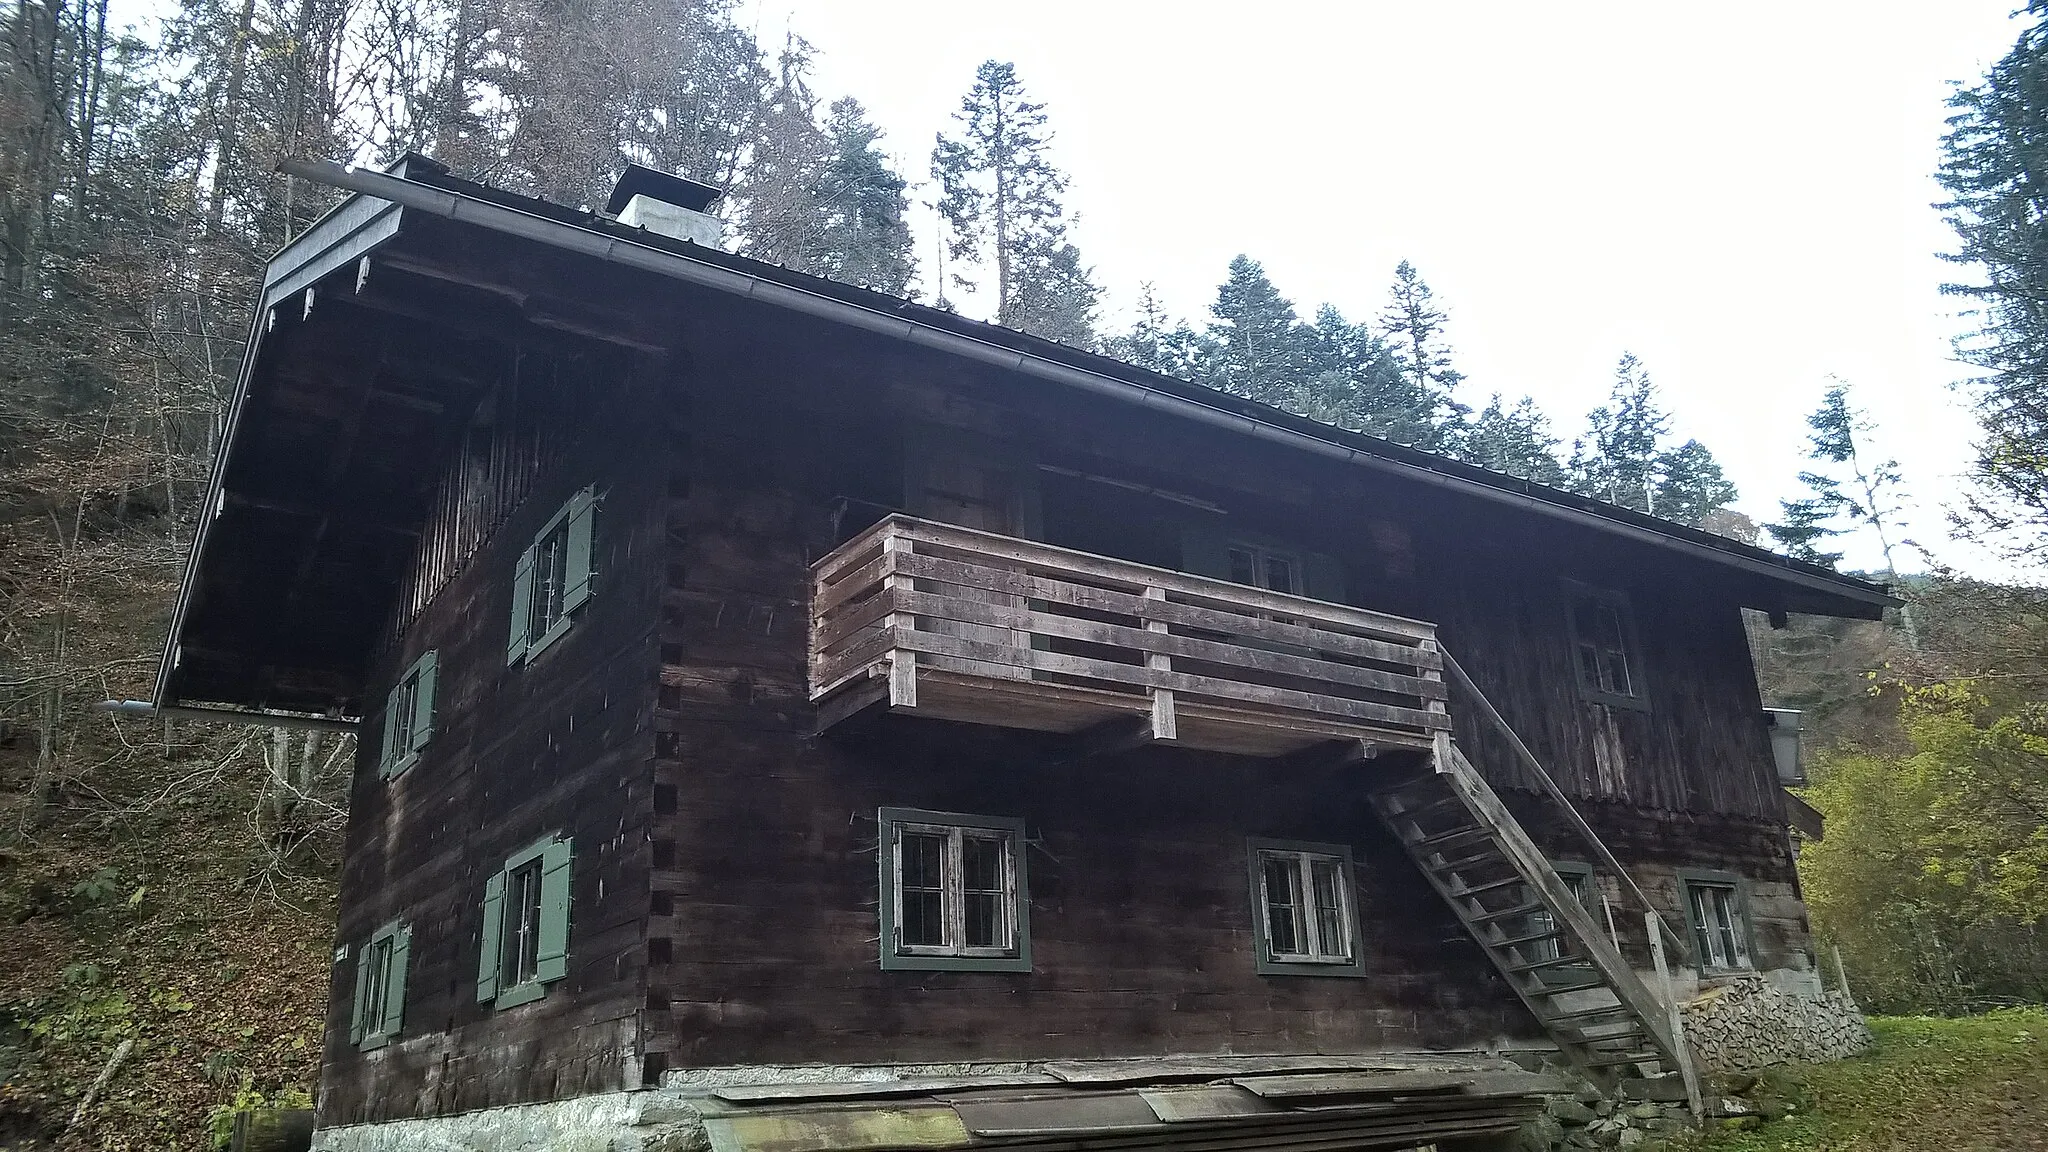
x: 1739, y: 193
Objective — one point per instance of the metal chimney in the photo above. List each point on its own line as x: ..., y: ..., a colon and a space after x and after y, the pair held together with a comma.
x: 671, y: 206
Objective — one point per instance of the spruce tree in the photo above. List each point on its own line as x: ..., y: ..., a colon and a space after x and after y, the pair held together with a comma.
x: 1354, y: 380
x: 1690, y: 486
x: 1803, y: 526
x: 1257, y: 348
x: 1156, y: 341
x: 1000, y: 199
x: 781, y: 216
x: 1514, y: 440
x: 1616, y: 460
x: 864, y: 237
x: 1995, y: 169
x: 1413, y: 327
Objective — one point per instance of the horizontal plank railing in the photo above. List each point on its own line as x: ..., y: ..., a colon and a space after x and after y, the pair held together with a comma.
x: 914, y: 594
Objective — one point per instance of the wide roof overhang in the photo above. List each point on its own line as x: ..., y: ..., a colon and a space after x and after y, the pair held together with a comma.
x: 291, y: 575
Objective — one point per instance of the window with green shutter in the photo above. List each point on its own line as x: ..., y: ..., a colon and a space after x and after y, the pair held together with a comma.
x: 552, y: 578
x: 379, y: 1010
x: 409, y: 716
x: 524, y: 943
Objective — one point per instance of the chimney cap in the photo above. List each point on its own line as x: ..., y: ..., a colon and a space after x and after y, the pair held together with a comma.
x: 640, y: 180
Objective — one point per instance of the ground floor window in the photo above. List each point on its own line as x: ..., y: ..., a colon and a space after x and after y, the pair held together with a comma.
x: 1305, y: 912
x: 379, y: 1009
x: 524, y: 941
x: 1717, y: 907
x: 953, y: 891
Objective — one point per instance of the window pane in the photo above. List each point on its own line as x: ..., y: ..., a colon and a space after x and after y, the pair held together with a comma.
x: 1332, y: 935
x: 1280, y: 574
x: 1244, y: 566
x: 982, y: 897
x: 379, y: 976
x: 1589, y: 666
x: 922, y: 889
x: 1616, y: 678
x: 1283, y: 905
x: 1706, y: 932
x: 550, y: 579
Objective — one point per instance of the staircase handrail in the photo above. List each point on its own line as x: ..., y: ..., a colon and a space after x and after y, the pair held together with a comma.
x: 1571, y: 811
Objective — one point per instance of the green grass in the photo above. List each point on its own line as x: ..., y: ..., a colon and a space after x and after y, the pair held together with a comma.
x: 1974, y: 1084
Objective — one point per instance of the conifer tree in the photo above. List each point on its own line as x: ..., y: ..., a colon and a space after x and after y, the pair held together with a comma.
x: 1000, y: 199
x: 864, y: 236
x: 1156, y: 341
x: 1413, y: 327
x: 1256, y: 345
x: 1514, y: 440
x: 1690, y: 486
x: 1616, y: 460
x: 782, y: 217
x: 1354, y: 380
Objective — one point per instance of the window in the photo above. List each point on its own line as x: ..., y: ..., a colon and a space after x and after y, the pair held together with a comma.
x: 552, y: 579
x: 524, y: 945
x: 1267, y: 568
x: 1604, y: 646
x: 380, y: 986
x: 1578, y: 880
x: 409, y: 716
x: 1304, y: 909
x: 1718, y: 907
x: 953, y: 892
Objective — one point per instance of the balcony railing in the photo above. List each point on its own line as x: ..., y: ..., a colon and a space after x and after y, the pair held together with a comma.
x: 934, y: 620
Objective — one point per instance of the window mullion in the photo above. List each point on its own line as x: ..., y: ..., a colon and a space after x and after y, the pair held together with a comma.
x: 1311, y: 913
x: 953, y: 897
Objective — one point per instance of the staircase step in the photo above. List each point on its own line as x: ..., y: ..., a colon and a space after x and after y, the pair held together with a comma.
x: 1614, y: 1009
x: 1517, y: 941
x: 1469, y: 832
x: 1433, y: 805
x: 1507, y: 913
x: 1630, y: 1058
x: 1539, y: 965
x: 1565, y: 989
x: 1487, y: 857
x: 1489, y: 886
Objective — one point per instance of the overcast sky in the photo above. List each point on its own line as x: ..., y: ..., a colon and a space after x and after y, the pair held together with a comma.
x: 1738, y: 193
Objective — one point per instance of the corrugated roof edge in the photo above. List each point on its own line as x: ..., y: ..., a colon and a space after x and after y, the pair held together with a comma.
x: 427, y: 174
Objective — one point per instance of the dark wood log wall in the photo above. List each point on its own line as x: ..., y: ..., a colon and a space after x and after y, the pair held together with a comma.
x: 561, y: 743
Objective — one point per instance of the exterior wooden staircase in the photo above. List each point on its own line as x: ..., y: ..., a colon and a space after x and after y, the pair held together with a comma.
x: 1563, y: 965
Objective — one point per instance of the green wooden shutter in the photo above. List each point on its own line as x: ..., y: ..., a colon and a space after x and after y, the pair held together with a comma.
x: 386, y: 754
x: 582, y: 513
x: 428, y: 669
x: 1322, y: 577
x: 551, y: 961
x: 394, y: 983
x: 358, y: 1011
x: 1204, y: 552
x: 522, y: 608
x: 488, y: 941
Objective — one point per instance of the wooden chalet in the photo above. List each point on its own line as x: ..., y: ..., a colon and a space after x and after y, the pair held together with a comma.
x: 808, y: 719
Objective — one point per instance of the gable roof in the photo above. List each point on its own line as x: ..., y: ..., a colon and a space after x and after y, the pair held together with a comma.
x: 415, y: 185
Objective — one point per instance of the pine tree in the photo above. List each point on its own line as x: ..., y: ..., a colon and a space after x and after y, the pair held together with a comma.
x: 1000, y: 199
x: 1690, y: 487
x: 1257, y: 348
x: 1616, y: 460
x: 864, y: 236
x: 1516, y: 441
x: 1413, y: 326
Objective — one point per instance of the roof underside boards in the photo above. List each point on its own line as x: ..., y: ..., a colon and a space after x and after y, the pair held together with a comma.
x: 381, y: 328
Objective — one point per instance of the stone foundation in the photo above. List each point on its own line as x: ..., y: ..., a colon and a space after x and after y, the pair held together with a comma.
x: 646, y: 1121
x: 1750, y: 1023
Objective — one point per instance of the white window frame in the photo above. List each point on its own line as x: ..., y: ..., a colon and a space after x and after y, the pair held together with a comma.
x: 1014, y: 952
x: 1323, y: 957
x: 1260, y: 554
x: 1630, y: 650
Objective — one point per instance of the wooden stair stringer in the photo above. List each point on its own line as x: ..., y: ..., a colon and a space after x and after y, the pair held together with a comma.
x: 1591, y: 947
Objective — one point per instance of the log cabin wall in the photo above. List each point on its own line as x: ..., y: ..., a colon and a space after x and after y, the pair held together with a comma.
x: 560, y: 743
x: 764, y: 934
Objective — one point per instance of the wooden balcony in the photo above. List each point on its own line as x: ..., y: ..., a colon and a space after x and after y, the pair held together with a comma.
x: 928, y: 619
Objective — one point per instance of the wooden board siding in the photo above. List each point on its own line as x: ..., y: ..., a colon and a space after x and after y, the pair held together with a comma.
x: 560, y: 743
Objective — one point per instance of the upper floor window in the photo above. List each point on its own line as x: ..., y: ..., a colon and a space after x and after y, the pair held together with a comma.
x: 953, y: 892
x: 409, y: 716
x: 1269, y: 568
x: 1717, y: 907
x: 1604, y: 650
x: 379, y: 1008
x: 525, y: 938
x: 1305, y: 909
x: 552, y: 578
